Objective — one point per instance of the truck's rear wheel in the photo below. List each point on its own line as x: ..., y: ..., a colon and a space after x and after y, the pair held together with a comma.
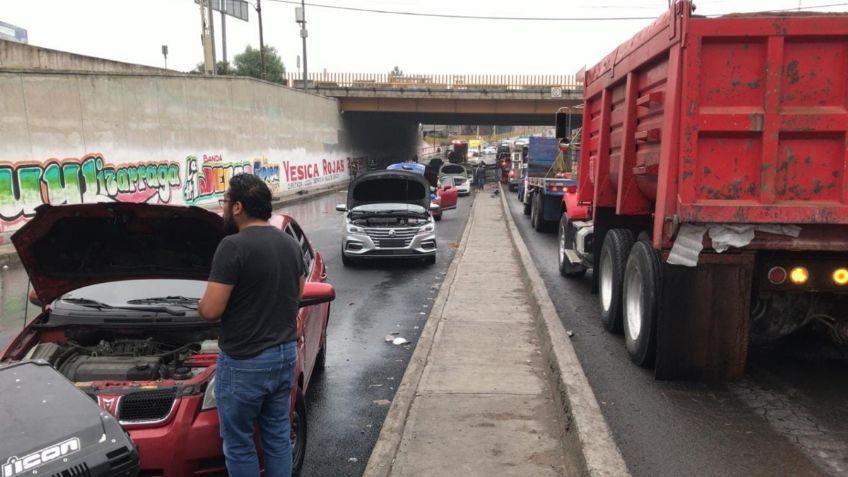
x: 613, y: 260
x: 527, y: 205
x: 537, y: 216
x: 641, y: 300
x: 566, y: 242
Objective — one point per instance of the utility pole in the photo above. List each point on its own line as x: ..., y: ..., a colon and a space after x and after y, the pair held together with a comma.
x: 211, y: 18
x: 303, y: 35
x: 300, y: 17
x: 224, y: 33
x: 261, y: 40
x: 205, y: 38
x: 165, y: 54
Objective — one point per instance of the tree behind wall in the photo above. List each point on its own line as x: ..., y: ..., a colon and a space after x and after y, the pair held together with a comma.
x: 248, y: 63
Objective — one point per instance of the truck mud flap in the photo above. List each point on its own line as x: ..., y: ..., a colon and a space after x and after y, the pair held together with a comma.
x: 704, y: 319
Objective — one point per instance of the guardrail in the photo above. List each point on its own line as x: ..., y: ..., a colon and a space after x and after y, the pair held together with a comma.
x: 435, y: 81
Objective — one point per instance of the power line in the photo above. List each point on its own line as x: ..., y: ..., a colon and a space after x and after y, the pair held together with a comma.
x: 462, y: 17
x: 508, y: 18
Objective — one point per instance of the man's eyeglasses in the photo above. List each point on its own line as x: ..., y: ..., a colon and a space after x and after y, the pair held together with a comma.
x: 221, y: 202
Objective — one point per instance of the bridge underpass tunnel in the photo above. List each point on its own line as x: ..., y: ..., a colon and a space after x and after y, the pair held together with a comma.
x: 387, y: 137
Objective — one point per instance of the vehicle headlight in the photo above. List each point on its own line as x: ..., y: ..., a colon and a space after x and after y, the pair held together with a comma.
x: 427, y: 228
x: 209, y: 400
x: 353, y: 229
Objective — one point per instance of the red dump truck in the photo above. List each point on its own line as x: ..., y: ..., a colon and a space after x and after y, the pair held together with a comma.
x: 714, y: 176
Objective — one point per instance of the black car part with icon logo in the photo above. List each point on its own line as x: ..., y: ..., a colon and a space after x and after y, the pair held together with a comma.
x: 53, y: 429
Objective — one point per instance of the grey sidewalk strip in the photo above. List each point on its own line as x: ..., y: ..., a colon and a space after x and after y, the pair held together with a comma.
x: 477, y: 398
x: 383, y: 455
x: 601, y: 455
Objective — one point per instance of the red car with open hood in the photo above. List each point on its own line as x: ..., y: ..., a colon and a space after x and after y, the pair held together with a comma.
x: 118, y: 284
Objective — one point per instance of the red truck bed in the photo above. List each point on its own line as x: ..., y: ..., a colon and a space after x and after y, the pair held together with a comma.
x: 737, y: 119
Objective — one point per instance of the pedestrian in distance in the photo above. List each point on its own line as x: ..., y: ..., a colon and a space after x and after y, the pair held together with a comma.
x: 254, y: 288
x: 481, y: 175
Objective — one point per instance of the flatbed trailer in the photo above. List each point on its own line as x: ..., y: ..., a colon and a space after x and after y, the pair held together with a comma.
x: 712, y: 195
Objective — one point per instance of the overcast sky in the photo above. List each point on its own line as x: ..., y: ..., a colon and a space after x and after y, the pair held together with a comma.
x: 347, y: 41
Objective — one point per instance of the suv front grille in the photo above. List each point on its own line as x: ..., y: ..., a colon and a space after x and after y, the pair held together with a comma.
x: 145, y: 406
x: 391, y: 237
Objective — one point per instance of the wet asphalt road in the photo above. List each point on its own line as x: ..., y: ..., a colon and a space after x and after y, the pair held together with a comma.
x: 787, y: 417
x: 349, y: 401
x: 371, y: 301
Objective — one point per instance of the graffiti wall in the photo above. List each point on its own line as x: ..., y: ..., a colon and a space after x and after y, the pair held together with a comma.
x: 198, y: 180
x: 139, y: 139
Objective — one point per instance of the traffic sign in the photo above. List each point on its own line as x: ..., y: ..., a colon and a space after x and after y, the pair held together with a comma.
x: 233, y: 8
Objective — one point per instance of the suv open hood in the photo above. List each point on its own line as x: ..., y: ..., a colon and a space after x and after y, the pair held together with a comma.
x: 449, y: 169
x: 397, y: 187
x: 67, y: 247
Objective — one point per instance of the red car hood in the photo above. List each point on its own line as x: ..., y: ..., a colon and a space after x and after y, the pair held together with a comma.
x: 67, y: 247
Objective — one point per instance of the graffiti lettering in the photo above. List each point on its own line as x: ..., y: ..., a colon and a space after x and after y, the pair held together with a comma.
x: 208, y: 180
x: 301, y: 172
x: 333, y: 167
x: 25, y: 186
x: 268, y: 172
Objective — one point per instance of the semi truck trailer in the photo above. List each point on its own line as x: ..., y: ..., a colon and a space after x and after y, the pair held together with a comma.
x: 712, y: 195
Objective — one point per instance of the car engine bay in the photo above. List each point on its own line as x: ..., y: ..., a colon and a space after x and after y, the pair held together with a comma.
x: 123, y: 359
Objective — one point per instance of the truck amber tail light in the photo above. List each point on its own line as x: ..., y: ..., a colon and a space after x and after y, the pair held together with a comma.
x: 777, y: 275
x: 799, y: 275
x: 840, y: 276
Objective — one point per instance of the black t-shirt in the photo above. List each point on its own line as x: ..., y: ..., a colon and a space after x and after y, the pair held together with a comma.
x: 264, y: 265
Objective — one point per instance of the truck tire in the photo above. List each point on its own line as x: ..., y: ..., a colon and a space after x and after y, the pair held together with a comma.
x: 565, y: 239
x: 537, y: 216
x: 641, y: 303
x: 610, y: 265
x: 527, y: 205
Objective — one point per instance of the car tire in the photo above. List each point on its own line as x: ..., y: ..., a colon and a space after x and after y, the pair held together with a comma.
x: 641, y: 303
x: 437, y: 218
x: 431, y: 260
x: 346, y: 261
x: 298, y: 432
x: 611, y: 264
x: 565, y: 241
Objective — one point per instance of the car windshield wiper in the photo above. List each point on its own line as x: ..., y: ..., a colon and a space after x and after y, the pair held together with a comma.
x: 105, y: 306
x: 185, y: 301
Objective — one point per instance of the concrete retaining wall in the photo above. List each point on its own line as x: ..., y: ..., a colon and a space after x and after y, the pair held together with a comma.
x: 22, y: 56
x: 176, y: 139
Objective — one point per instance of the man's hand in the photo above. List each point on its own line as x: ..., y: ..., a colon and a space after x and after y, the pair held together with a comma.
x: 214, y: 301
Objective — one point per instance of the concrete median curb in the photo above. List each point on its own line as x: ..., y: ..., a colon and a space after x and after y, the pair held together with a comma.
x: 585, y: 423
x: 383, y: 455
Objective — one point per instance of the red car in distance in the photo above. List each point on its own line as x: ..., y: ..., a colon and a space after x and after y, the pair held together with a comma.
x: 118, y: 284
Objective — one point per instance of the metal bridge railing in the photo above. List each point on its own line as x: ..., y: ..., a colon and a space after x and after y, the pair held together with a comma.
x: 435, y: 81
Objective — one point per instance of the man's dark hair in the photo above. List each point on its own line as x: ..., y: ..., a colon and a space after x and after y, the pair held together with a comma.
x: 253, y: 193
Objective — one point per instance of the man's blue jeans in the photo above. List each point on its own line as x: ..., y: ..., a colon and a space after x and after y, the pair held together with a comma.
x: 255, y: 390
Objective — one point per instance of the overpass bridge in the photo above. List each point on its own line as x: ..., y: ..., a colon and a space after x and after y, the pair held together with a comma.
x: 449, y: 98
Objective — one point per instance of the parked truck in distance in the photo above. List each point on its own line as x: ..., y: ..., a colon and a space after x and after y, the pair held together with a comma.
x: 545, y: 182
x: 712, y: 198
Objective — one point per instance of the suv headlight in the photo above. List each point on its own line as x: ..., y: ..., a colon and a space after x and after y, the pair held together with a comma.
x: 353, y: 229
x: 209, y: 400
x: 427, y: 228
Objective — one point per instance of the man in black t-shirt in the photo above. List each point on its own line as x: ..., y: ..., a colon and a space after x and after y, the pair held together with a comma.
x: 254, y: 288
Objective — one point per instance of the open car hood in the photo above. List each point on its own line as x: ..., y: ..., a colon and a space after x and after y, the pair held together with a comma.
x: 67, y: 247
x: 449, y: 169
x: 398, y: 187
